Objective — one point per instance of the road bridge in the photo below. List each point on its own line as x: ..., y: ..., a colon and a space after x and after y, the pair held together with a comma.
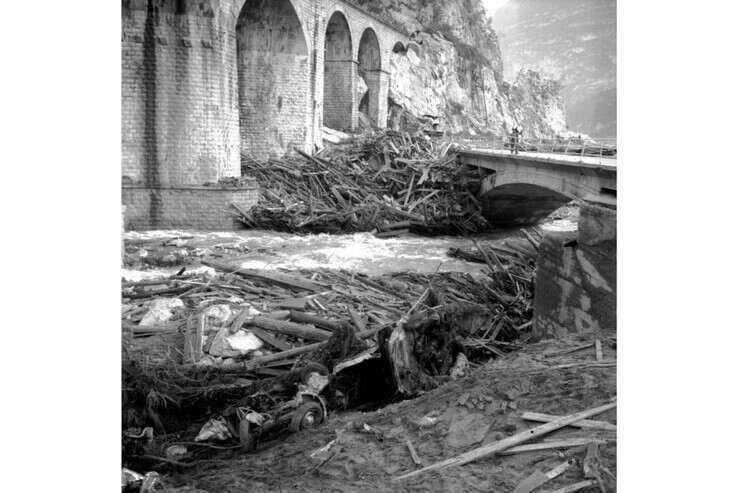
x: 520, y: 189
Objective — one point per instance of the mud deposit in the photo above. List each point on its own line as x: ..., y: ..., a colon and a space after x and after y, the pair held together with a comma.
x: 457, y: 416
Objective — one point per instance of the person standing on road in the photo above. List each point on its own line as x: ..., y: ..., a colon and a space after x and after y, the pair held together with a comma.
x: 514, y: 140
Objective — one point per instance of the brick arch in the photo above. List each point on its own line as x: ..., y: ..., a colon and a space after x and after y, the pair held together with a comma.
x: 369, y: 61
x: 273, y: 70
x: 339, y: 72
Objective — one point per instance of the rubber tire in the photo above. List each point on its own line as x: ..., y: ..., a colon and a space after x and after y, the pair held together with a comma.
x: 296, y: 422
x: 247, y: 437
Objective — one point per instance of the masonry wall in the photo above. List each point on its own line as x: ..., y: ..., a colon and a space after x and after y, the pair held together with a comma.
x: 339, y: 80
x: 199, y: 208
x: 274, y: 76
x: 576, y: 283
x: 179, y: 118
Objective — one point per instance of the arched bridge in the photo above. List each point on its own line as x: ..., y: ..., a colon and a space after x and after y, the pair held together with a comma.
x: 206, y: 80
x: 520, y: 189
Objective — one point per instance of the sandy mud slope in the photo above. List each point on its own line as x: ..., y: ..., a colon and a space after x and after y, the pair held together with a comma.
x: 458, y: 416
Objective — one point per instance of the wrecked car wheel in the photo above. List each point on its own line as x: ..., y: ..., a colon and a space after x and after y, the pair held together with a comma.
x: 309, y: 415
x: 247, y: 437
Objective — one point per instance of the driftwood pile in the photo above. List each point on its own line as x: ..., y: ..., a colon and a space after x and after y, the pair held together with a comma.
x: 168, y: 377
x: 387, y: 182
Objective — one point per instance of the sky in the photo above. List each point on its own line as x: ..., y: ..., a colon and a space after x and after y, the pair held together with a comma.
x: 493, y: 5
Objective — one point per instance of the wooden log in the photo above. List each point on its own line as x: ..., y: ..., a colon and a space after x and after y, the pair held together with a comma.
x: 412, y: 451
x: 396, y: 225
x: 303, y: 331
x: 308, y: 318
x: 599, y: 350
x: 565, y: 443
x: 240, y: 319
x: 150, y: 329
x: 269, y: 339
x: 568, y: 350
x: 495, y: 447
x: 193, y: 348
x: 534, y: 242
x: 278, y: 314
x: 273, y: 277
x: 538, y: 478
x: 293, y: 303
x: 587, y: 424
x: 155, y: 292
x: 391, y: 233
x: 597, y: 364
x: 572, y: 488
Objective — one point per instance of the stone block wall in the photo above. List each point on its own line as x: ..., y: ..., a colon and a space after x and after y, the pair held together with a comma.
x: 576, y: 279
x: 339, y: 95
x: 179, y: 118
x: 199, y: 208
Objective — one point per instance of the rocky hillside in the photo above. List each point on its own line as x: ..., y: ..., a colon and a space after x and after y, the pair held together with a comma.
x: 572, y: 41
x: 456, y: 58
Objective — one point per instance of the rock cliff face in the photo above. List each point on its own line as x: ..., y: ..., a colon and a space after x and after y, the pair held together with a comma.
x: 572, y: 41
x: 452, y: 73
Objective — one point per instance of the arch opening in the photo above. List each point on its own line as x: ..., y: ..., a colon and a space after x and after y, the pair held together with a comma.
x: 273, y: 78
x: 399, y: 48
x: 339, y: 74
x: 369, y: 70
x: 521, y: 204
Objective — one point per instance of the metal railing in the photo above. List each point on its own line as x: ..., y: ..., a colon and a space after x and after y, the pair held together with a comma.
x: 572, y: 146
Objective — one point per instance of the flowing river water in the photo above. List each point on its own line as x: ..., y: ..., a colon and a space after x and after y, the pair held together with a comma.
x: 359, y: 252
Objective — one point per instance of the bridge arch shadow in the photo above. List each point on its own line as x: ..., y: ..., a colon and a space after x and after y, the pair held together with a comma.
x: 273, y: 78
x: 520, y: 204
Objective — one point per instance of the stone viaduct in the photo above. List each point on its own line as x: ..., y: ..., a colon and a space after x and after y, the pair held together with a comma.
x: 205, y: 80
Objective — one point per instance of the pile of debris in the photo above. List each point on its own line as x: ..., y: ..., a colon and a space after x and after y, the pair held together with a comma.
x: 201, y: 349
x: 388, y: 182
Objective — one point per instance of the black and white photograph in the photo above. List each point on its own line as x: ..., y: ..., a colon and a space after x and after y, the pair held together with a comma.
x: 369, y: 246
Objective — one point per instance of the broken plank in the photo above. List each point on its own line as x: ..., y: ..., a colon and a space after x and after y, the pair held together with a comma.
x: 585, y: 424
x: 572, y: 488
x: 308, y: 318
x: 278, y: 278
x: 538, y: 478
x: 599, y: 364
x: 303, y: 331
x: 293, y: 303
x: 269, y: 339
x: 565, y: 443
x: 412, y: 451
x: 193, y: 348
x: 516, y: 439
x: 569, y: 350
